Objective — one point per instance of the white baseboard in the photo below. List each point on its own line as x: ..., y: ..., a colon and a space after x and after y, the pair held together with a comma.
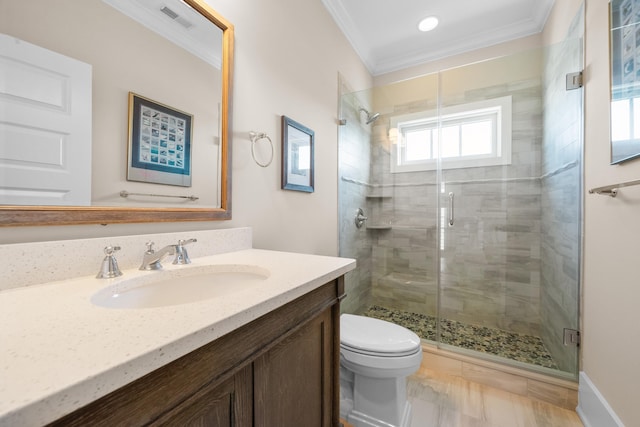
x: 593, y: 409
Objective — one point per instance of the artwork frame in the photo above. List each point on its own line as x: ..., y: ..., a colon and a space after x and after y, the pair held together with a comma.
x: 624, y: 57
x: 298, y: 143
x: 160, y: 143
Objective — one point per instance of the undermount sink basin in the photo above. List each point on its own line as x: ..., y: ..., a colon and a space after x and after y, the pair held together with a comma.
x: 180, y: 286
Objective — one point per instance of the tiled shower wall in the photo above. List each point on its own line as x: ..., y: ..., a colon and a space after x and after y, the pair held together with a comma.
x: 354, y: 158
x: 561, y: 189
x: 490, y: 269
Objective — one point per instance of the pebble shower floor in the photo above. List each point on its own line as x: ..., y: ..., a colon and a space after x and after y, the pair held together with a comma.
x: 519, y: 347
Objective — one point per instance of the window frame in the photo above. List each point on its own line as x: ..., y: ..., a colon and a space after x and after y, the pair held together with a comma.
x: 500, y: 108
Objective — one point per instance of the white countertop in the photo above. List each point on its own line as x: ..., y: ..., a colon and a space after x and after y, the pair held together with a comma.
x: 59, y: 352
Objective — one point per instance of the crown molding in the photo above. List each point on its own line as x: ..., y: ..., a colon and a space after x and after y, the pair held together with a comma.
x: 385, y: 63
x: 348, y: 28
x: 418, y: 56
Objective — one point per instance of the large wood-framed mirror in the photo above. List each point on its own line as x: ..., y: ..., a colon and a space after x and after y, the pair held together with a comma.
x: 187, y: 70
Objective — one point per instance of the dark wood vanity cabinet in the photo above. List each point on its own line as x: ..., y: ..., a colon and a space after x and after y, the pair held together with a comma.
x: 279, y: 370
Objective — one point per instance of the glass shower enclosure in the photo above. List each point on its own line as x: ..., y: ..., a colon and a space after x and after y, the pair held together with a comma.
x: 470, y: 180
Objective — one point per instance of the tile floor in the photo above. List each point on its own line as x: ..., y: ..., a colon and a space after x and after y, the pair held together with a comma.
x: 520, y: 347
x: 441, y: 400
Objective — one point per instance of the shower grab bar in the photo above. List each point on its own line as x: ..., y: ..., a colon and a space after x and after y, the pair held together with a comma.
x: 612, y: 190
x: 451, y: 217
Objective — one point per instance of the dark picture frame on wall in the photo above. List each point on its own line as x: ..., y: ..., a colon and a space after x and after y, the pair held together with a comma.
x: 159, y: 143
x: 297, y: 156
x: 624, y: 23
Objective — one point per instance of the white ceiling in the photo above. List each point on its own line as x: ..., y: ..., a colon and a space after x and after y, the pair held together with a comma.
x: 385, y: 33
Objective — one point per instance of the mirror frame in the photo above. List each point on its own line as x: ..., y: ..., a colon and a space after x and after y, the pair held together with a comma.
x: 13, y: 215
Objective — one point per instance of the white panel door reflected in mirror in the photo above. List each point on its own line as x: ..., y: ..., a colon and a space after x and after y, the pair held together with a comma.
x: 162, y: 50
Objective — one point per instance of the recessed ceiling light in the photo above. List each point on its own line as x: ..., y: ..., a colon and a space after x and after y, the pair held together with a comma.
x: 428, y: 23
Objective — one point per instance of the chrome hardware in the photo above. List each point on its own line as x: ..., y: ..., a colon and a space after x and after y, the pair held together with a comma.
x: 182, y: 257
x: 574, y: 80
x: 612, y: 190
x: 109, y: 268
x: 571, y: 337
x: 451, y: 216
x: 360, y: 218
x: 255, y: 137
x: 125, y: 194
x: 152, y: 259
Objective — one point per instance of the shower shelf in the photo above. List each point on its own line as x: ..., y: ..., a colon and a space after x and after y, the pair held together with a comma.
x: 377, y: 199
x: 379, y: 227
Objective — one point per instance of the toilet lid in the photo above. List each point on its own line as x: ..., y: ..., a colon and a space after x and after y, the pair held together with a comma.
x: 374, y: 336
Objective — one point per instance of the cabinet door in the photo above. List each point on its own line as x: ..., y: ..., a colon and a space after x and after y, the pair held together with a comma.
x: 224, y: 405
x: 293, y: 381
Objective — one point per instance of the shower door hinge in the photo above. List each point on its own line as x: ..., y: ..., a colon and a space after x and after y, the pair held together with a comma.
x: 571, y: 337
x: 574, y: 80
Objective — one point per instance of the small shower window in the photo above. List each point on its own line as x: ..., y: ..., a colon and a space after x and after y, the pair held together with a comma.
x: 471, y: 135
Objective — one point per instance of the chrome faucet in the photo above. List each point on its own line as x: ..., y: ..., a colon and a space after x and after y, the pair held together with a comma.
x: 182, y: 257
x: 152, y: 259
x: 109, y: 267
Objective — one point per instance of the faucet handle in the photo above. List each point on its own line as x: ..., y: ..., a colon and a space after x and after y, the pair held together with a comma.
x: 182, y: 257
x: 150, y: 249
x: 109, y: 250
x: 109, y: 267
x: 185, y: 242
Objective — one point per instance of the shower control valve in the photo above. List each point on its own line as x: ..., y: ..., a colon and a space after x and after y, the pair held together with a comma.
x: 360, y: 218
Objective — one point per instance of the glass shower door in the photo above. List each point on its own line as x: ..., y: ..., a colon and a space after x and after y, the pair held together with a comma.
x: 404, y: 204
x: 510, y: 155
x: 396, y: 247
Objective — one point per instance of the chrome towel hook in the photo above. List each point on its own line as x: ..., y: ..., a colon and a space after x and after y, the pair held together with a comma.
x: 255, y: 137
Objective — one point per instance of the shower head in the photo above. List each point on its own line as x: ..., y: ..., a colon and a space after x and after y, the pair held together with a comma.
x: 370, y: 117
x: 373, y: 118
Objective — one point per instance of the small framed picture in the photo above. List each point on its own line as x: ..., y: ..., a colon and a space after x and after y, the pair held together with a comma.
x: 159, y: 143
x: 297, y: 156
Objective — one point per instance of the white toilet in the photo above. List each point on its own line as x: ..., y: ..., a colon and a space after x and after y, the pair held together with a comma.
x: 376, y: 357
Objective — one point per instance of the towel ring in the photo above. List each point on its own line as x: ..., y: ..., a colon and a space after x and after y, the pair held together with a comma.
x: 255, y: 137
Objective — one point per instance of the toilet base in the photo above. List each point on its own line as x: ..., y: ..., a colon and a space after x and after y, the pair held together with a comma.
x: 358, y: 419
x: 374, y: 402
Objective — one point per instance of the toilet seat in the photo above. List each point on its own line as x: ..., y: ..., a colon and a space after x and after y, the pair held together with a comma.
x: 379, y: 354
x: 375, y: 337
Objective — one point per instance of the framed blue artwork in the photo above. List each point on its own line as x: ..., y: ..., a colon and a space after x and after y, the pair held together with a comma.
x: 159, y: 143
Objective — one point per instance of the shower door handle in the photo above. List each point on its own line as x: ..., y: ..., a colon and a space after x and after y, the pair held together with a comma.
x: 451, y: 215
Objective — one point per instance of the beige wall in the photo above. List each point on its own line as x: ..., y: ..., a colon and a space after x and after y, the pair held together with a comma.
x: 288, y: 55
x: 503, y: 49
x: 611, y: 284
x: 454, y: 81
